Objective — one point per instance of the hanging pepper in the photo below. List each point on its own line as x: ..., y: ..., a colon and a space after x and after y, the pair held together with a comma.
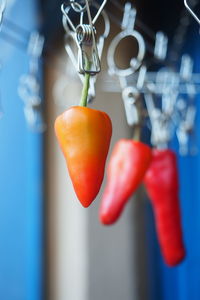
x: 84, y: 136
x: 127, y: 166
x: 161, y: 181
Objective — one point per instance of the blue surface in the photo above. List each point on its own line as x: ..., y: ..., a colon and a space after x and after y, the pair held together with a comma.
x: 182, y: 282
x: 20, y: 175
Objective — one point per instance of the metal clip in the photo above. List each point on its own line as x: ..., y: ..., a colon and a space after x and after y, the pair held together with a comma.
x: 70, y: 32
x: 186, y: 111
x: 85, y: 34
x: 130, y: 96
x: 77, y: 7
x: 186, y: 120
x: 165, y: 90
x: 128, y: 22
x: 29, y: 86
x: 167, y: 82
x: 160, y: 128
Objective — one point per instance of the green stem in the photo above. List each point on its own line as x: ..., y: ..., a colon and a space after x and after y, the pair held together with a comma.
x: 86, y: 85
x: 137, y: 133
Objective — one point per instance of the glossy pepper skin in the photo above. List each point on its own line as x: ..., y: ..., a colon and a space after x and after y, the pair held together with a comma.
x: 161, y: 181
x: 84, y: 136
x: 127, y: 166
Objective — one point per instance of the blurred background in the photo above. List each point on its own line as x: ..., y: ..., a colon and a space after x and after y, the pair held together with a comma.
x: 51, y: 248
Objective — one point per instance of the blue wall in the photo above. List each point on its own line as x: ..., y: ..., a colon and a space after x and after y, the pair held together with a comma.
x: 21, y: 181
x: 182, y: 282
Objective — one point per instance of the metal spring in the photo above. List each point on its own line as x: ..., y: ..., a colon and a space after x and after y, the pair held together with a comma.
x: 84, y: 34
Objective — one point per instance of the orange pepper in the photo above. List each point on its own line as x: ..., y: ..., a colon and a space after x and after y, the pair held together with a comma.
x: 84, y: 136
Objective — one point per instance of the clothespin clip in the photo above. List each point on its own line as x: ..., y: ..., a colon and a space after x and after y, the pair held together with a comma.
x: 29, y: 86
x: 161, y: 130
x: 167, y: 81
x: 164, y: 90
x: 186, y: 120
x: 132, y: 97
x: 84, y: 35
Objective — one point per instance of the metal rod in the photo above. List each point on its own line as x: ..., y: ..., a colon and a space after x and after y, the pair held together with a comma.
x: 191, y: 11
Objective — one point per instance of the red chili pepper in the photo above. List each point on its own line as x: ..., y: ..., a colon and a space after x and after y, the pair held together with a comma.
x: 128, y: 164
x: 161, y: 181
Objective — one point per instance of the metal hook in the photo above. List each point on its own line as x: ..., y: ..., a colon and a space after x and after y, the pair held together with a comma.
x: 165, y: 88
x: 80, y: 9
x: 186, y: 112
x: 185, y: 120
x: 160, y: 133
x: 168, y: 82
x: 191, y: 11
x: 66, y: 20
x: 128, y: 31
x: 130, y: 96
x: 77, y: 6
